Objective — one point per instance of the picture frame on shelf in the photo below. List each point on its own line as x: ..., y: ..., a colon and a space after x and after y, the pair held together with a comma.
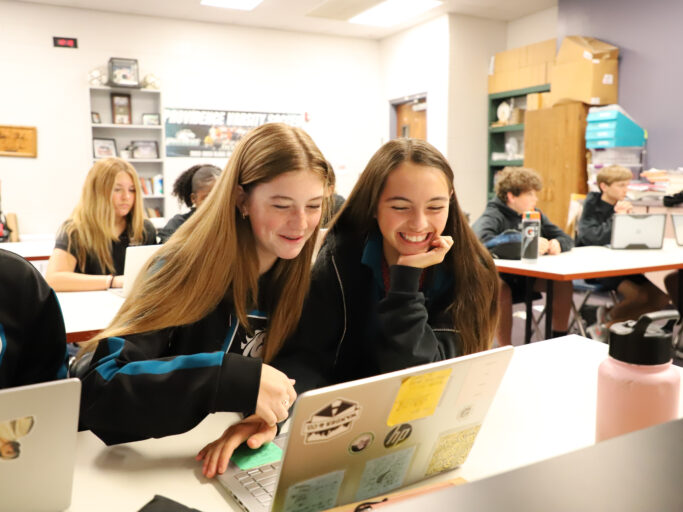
x: 104, y: 148
x: 95, y: 118
x: 145, y: 149
x: 120, y: 108
x: 151, y: 119
x: 123, y: 72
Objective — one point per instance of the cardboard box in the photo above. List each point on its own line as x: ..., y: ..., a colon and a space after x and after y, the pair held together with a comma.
x: 586, y: 81
x: 530, y: 55
x: 527, y: 76
x: 575, y: 48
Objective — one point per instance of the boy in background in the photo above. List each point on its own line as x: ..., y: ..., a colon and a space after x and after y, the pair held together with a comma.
x: 595, y: 228
x: 516, y: 192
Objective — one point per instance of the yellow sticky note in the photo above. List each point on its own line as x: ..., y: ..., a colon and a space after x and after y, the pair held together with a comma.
x: 418, y: 397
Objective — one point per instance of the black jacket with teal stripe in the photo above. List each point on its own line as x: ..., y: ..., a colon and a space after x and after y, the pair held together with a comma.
x: 352, y: 328
x: 165, y: 382
x: 32, y: 335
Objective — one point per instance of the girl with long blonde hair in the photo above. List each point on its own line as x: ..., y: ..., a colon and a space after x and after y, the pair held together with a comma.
x: 225, y: 291
x: 401, y: 280
x: 91, y: 246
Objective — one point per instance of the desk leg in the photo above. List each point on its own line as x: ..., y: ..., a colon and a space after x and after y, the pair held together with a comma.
x: 549, y: 309
x: 528, y: 296
x: 680, y: 292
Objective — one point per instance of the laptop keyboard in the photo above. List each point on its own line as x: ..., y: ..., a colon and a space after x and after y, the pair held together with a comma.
x: 260, y: 482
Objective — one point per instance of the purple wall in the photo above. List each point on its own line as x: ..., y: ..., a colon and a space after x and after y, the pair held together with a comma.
x: 649, y: 34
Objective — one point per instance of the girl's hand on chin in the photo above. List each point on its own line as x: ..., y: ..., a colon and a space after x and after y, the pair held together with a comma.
x: 440, y: 246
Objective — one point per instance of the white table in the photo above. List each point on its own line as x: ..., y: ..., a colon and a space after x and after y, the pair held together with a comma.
x: 544, y: 407
x: 33, y: 250
x: 591, y: 262
x: 87, y: 313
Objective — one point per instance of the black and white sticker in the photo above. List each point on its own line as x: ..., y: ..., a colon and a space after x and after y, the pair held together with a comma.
x: 331, y: 421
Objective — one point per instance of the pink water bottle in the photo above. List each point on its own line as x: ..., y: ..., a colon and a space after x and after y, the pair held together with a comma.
x: 637, y: 385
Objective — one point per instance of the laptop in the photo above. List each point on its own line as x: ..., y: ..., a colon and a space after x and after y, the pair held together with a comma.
x: 630, y: 231
x: 38, y: 425
x: 353, y: 441
x: 677, y: 219
x: 136, y: 257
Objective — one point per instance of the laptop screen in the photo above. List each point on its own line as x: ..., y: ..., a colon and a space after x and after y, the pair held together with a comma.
x: 631, y: 231
x: 677, y: 219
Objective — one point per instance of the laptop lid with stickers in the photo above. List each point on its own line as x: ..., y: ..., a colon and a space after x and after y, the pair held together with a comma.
x: 360, y: 439
x: 38, y: 426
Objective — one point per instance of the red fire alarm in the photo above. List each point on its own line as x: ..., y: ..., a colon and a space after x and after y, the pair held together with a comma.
x: 65, y: 42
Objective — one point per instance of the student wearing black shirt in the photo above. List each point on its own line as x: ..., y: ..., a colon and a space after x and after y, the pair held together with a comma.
x: 218, y: 298
x: 516, y: 189
x: 192, y: 187
x: 32, y: 335
x: 90, y: 249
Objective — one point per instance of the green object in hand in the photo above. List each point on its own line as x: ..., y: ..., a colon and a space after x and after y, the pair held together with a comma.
x: 247, y: 458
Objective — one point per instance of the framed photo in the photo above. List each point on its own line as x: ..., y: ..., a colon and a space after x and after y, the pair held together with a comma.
x: 145, y: 149
x: 95, y: 118
x: 120, y: 108
x: 123, y: 72
x: 104, y: 148
x: 151, y: 119
x: 19, y: 141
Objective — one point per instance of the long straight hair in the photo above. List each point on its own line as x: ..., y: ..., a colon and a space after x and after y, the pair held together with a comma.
x: 475, y: 291
x: 213, y: 254
x: 92, y: 226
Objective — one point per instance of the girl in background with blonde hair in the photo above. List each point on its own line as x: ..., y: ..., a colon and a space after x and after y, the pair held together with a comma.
x: 222, y: 294
x: 401, y: 280
x: 90, y: 249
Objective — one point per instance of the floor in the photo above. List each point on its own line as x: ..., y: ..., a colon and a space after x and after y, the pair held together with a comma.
x: 519, y: 315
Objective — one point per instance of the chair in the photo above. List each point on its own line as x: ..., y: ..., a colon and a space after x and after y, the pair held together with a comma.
x: 588, y: 290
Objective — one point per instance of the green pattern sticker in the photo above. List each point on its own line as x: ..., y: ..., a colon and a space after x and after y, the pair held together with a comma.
x: 247, y: 458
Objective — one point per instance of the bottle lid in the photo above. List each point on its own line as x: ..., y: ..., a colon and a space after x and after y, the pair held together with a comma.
x: 532, y: 215
x: 640, y: 343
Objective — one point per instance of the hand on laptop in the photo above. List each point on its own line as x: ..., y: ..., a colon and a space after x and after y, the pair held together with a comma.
x: 216, y: 455
x: 275, y: 395
x: 117, y: 282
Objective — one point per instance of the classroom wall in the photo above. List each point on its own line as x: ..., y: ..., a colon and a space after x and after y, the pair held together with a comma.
x: 533, y: 28
x: 201, y: 65
x: 649, y: 37
x: 472, y: 42
x: 416, y: 61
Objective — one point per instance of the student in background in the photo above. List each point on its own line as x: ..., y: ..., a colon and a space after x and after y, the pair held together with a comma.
x: 191, y: 187
x: 516, y: 192
x: 337, y: 201
x: 90, y: 249
x: 216, y: 300
x: 401, y: 280
x: 640, y: 296
x: 32, y: 335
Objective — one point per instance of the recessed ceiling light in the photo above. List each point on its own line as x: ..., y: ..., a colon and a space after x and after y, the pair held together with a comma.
x: 393, y: 12
x: 242, y: 5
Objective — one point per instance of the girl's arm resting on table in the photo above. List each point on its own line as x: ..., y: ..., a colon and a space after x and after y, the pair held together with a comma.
x: 131, y: 393
x: 61, y: 275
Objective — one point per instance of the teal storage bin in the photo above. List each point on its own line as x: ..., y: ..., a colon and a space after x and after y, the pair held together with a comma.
x: 611, y: 128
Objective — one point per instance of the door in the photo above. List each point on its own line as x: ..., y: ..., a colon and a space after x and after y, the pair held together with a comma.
x: 411, y: 119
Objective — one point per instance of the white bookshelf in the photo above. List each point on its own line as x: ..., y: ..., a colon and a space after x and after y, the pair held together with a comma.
x: 143, y: 101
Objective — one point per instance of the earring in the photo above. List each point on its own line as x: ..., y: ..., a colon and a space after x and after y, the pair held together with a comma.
x: 244, y: 214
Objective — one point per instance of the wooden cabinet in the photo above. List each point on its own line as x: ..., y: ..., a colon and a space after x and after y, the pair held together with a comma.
x: 555, y: 146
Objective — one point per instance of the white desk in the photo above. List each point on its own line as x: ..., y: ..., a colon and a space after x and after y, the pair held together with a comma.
x: 87, y: 313
x: 33, y: 250
x: 591, y: 262
x: 545, y: 407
